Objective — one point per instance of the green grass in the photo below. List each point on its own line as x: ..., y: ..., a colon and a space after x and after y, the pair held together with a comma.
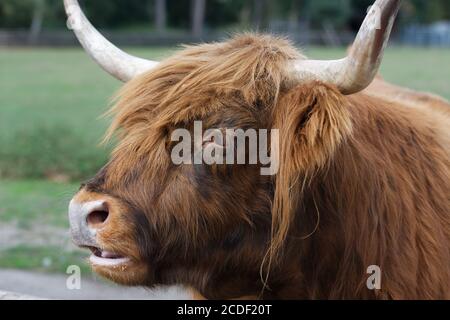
x: 32, y: 206
x: 51, y: 101
x: 35, y: 202
x: 55, y: 86
x: 43, y: 259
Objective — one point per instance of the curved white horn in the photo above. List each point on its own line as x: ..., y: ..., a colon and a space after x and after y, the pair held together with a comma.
x: 355, y: 72
x: 113, y: 60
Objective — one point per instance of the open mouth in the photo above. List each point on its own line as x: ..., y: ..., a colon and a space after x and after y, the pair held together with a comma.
x: 106, y: 258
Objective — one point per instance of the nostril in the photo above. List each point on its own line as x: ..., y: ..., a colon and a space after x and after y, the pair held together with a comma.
x: 97, y: 218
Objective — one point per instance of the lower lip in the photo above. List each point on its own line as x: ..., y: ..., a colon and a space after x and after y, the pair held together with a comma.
x: 106, y: 262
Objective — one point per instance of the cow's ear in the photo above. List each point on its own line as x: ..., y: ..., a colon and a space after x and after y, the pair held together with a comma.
x: 313, y: 120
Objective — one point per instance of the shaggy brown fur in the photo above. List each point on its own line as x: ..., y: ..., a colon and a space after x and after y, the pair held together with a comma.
x: 363, y: 181
x: 421, y: 100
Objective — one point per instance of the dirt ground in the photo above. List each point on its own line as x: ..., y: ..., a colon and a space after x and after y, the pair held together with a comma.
x: 54, y: 287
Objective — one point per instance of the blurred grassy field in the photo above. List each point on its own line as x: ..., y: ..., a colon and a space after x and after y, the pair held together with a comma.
x: 50, y: 106
x: 51, y: 102
x: 30, y: 201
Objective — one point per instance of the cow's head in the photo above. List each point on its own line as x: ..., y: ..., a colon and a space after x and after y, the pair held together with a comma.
x: 216, y: 227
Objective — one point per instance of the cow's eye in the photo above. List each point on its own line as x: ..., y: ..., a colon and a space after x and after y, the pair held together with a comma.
x: 213, y: 138
x: 213, y: 145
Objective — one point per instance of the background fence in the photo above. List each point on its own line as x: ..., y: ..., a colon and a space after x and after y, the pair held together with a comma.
x: 168, y: 22
x: 436, y: 35
x: 66, y: 38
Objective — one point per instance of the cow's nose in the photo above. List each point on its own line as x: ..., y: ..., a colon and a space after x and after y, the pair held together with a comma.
x: 96, y: 219
x: 85, y: 219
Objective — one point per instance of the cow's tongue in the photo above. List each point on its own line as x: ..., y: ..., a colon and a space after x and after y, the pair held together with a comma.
x: 105, y: 254
x: 110, y: 255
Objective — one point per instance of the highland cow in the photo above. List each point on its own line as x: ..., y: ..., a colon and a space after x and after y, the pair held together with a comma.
x: 363, y: 179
